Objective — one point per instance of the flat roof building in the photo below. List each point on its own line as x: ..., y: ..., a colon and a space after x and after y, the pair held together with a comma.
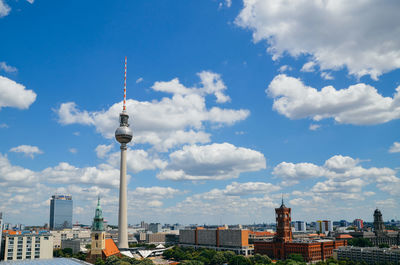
x: 28, y: 246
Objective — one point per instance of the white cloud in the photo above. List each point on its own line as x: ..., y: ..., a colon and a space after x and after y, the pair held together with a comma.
x: 228, y: 3
x: 137, y: 160
x: 284, y: 68
x: 103, y: 175
x: 7, y: 68
x: 73, y: 150
x: 139, y: 80
x: 345, y: 177
x: 31, y: 1
x: 327, y: 76
x: 212, y: 162
x: 14, y: 175
x: 3, y: 125
x: 314, y: 127
x: 102, y: 150
x: 155, y: 192
x: 15, y: 95
x: 395, y: 148
x: 358, y: 104
x: 308, y: 67
x: 239, y: 189
x: 4, y: 9
x: 361, y: 36
x: 298, y: 171
x: 28, y: 150
x: 167, y: 123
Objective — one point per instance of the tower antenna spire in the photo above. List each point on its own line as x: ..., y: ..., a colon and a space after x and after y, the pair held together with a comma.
x: 124, y: 107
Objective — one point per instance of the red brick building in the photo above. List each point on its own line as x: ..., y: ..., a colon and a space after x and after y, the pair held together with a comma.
x: 282, y: 245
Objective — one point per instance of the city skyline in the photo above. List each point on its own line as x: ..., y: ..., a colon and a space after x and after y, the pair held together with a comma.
x: 232, y: 104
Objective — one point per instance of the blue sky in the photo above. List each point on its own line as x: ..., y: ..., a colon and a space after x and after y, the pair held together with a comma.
x: 232, y: 104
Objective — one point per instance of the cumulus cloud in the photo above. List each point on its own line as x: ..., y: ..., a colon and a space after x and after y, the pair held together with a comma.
x: 395, y: 148
x: 139, y: 80
x: 240, y: 189
x: 358, y: 104
x: 102, y: 175
x: 28, y: 150
x: 284, y: 68
x: 308, y: 67
x: 361, y: 36
x: 314, y: 127
x: 15, y: 95
x: 4, y: 9
x: 137, y: 160
x: 345, y: 177
x: 11, y: 175
x: 7, y: 68
x: 102, y: 150
x: 155, y: 192
x: 73, y: 150
x: 167, y: 123
x: 212, y: 162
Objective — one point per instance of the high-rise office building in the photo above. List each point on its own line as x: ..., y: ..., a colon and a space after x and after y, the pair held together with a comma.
x: 155, y: 227
x: 324, y: 226
x: 300, y: 226
x: 60, y: 212
x: 358, y: 223
x: 1, y: 230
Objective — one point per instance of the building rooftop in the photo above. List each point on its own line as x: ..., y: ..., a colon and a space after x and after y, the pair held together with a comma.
x: 55, y: 261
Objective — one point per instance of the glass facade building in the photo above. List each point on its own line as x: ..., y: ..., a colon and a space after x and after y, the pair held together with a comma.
x: 60, y: 212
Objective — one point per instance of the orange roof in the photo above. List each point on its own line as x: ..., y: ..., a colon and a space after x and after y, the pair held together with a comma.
x: 111, y: 248
x: 344, y: 236
x: 11, y: 232
x: 262, y: 233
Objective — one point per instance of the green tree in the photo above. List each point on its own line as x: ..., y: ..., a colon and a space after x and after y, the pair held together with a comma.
x: 296, y: 257
x: 384, y: 245
x: 239, y: 260
x: 360, y: 242
x: 192, y: 262
x: 113, y: 260
x: 229, y: 255
x: 99, y: 261
x: 218, y: 259
x: 260, y: 259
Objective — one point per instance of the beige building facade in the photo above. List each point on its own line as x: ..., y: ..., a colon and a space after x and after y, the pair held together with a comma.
x: 28, y: 246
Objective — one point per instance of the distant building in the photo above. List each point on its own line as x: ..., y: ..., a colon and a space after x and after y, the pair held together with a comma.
x: 282, y: 245
x: 359, y: 223
x: 155, y: 227
x: 60, y: 212
x: 68, y: 234
x: 28, y: 246
x: 324, y: 226
x: 369, y: 255
x: 343, y: 223
x: 236, y: 240
x: 300, y: 226
x: 380, y: 235
x: 1, y: 232
x: 100, y: 247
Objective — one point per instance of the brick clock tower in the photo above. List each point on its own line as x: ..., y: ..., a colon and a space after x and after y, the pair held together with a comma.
x: 283, y: 230
x: 283, y: 220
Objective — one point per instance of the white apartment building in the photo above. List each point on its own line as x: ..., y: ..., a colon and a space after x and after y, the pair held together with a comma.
x: 28, y: 246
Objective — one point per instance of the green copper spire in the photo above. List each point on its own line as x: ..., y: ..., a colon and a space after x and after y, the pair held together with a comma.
x: 98, y: 218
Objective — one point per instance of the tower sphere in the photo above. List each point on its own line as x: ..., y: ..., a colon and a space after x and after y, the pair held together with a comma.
x: 123, y: 134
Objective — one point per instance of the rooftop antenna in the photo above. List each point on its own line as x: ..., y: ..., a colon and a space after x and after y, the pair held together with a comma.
x: 124, y: 107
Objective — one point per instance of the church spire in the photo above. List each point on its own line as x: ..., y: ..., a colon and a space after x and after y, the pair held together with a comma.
x: 98, y: 220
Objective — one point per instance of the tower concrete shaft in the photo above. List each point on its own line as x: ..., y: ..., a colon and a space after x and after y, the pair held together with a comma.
x: 123, y: 135
x: 123, y: 209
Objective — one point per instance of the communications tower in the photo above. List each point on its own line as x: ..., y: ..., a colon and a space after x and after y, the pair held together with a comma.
x: 123, y: 135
